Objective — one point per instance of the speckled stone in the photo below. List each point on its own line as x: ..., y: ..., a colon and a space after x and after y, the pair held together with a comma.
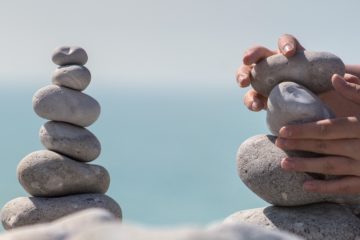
x: 66, y: 105
x: 258, y: 162
x: 76, y: 77
x: 24, y: 211
x: 291, y: 103
x: 313, y: 222
x: 310, y: 69
x: 73, y: 141
x: 48, y: 174
x: 63, y: 228
x: 69, y: 55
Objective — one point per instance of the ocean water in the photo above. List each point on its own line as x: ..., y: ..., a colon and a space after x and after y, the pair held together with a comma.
x: 170, y: 151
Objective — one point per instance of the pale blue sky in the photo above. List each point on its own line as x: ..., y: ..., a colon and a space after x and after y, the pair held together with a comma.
x: 166, y: 42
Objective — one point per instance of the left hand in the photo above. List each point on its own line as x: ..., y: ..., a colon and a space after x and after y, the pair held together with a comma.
x: 337, y: 138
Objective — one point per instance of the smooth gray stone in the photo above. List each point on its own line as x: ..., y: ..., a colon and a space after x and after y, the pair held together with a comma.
x: 25, y: 211
x: 73, y: 141
x: 310, y: 69
x: 62, y: 228
x: 76, y: 77
x: 116, y: 231
x: 258, y: 163
x: 69, y: 55
x: 312, y: 222
x: 291, y: 103
x: 66, y: 105
x: 48, y: 174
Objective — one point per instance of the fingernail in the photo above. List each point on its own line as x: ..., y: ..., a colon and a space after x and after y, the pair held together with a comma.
x: 287, y: 48
x: 285, y: 132
x: 309, y: 186
x: 287, y: 164
x: 241, y: 78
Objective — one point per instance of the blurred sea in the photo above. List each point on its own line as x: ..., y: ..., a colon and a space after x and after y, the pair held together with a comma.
x: 170, y: 151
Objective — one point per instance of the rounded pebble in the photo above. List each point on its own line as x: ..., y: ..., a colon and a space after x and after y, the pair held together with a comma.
x: 258, y: 162
x: 310, y: 69
x: 62, y: 104
x: 48, y: 174
x: 291, y: 103
x: 68, y: 55
x: 24, y: 211
x: 70, y: 140
x: 76, y: 77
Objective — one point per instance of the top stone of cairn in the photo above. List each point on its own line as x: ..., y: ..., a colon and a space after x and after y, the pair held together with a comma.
x: 69, y: 55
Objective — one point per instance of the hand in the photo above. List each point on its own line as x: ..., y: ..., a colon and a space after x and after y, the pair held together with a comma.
x: 338, y: 138
x: 288, y: 46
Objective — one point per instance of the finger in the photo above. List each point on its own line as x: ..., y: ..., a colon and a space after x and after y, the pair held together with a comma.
x: 243, y: 76
x: 254, y: 101
x: 289, y: 45
x: 255, y: 54
x: 351, y: 78
x: 338, y: 128
x: 344, y: 147
x: 332, y: 165
x: 347, y: 88
x: 345, y: 185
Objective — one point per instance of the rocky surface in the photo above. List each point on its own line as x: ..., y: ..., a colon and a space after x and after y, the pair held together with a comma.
x: 310, y: 69
x: 69, y: 55
x: 24, y: 211
x: 100, y: 224
x: 259, y: 168
x: 313, y: 222
x: 76, y: 77
x: 66, y: 105
x: 48, y: 174
x: 70, y: 140
x: 291, y: 103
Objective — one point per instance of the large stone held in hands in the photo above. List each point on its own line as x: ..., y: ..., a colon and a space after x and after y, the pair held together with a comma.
x: 312, y: 222
x: 69, y: 55
x: 76, y: 77
x: 310, y: 69
x: 48, y: 174
x: 25, y: 211
x: 66, y: 105
x: 258, y: 162
x: 291, y: 103
x: 70, y: 140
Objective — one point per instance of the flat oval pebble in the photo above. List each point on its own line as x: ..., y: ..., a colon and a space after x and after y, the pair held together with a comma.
x: 63, y: 104
x: 48, y: 174
x: 258, y: 162
x: 24, y: 211
x: 72, y: 76
x: 291, y: 103
x: 312, y: 222
x: 69, y: 55
x: 310, y: 69
x: 73, y: 141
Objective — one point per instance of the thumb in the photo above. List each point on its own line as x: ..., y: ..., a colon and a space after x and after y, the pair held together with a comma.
x: 289, y: 45
x: 348, y: 86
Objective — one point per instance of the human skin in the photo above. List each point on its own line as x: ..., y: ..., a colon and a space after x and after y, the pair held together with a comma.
x: 338, y: 138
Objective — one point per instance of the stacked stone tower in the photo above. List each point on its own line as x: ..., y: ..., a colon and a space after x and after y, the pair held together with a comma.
x: 60, y: 180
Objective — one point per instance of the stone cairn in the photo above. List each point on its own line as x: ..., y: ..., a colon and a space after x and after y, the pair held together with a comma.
x: 290, y: 85
x: 60, y: 179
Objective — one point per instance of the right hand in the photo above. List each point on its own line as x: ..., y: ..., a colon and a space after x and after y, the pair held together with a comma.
x: 288, y: 45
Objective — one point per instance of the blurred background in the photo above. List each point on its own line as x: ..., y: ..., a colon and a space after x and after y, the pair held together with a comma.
x: 164, y: 73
